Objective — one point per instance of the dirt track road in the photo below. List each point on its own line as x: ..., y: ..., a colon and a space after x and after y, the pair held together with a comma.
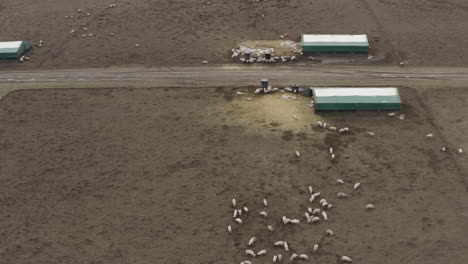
x: 225, y: 76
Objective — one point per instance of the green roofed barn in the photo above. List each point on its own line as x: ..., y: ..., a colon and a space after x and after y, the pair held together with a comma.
x: 335, y: 43
x: 342, y: 98
x: 14, y: 49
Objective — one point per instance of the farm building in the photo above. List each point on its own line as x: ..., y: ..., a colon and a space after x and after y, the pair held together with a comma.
x: 14, y: 49
x: 335, y: 43
x: 344, y: 98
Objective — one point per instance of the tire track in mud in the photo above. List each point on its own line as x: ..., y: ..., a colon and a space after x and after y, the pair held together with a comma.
x: 439, y: 132
x: 381, y: 29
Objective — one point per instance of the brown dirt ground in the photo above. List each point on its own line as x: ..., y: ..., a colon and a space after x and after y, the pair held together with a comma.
x: 449, y: 108
x: 181, y: 32
x: 147, y: 176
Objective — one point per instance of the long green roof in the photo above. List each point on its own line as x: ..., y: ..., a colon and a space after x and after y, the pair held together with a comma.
x: 13, y: 49
x: 349, y: 98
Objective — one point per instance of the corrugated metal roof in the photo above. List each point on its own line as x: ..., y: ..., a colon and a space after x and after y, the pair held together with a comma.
x: 334, y: 40
x: 13, y: 49
x: 349, y: 98
x: 10, y: 44
x: 350, y: 91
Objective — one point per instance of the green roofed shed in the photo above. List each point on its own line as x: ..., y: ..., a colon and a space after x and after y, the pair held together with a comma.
x: 344, y: 98
x: 14, y: 49
x: 334, y: 43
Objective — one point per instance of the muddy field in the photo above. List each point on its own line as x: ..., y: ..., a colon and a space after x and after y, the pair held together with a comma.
x: 181, y: 32
x: 449, y: 108
x: 147, y: 176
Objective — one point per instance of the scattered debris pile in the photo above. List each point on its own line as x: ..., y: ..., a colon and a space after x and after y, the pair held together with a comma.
x: 290, y: 89
x: 249, y: 54
x: 295, y: 47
